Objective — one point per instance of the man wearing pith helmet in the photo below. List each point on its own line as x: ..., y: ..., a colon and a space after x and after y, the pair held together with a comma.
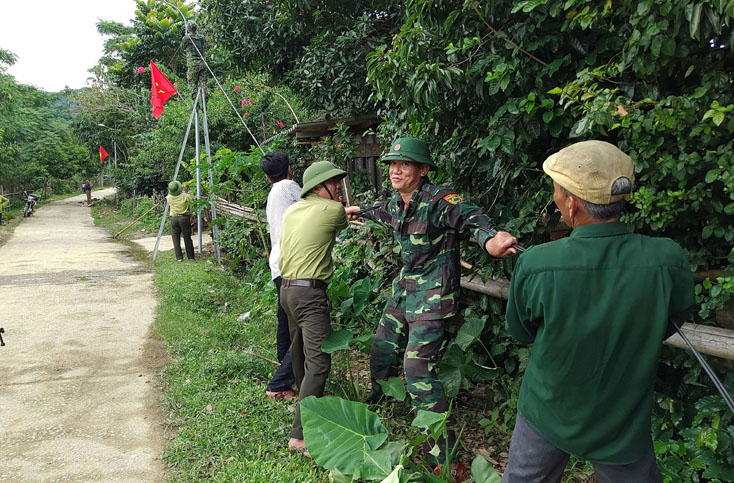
x: 596, y: 307
x: 307, y: 238
x: 428, y: 221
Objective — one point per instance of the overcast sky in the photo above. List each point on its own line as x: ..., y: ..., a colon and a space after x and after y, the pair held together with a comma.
x: 56, y: 41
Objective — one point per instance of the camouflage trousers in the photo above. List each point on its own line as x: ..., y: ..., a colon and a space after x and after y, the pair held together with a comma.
x: 197, y: 76
x: 416, y: 345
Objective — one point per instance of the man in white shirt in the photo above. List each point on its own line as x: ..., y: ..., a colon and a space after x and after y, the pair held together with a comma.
x: 283, y: 194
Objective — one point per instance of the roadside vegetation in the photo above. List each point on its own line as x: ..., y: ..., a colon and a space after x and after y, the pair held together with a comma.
x: 494, y: 87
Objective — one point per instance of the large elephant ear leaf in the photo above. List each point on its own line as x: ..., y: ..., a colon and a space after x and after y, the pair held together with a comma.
x: 338, y: 433
x: 337, y: 341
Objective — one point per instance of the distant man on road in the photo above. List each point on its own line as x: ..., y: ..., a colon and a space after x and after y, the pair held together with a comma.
x: 283, y: 194
x: 87, y: 188
x: 428, y: 221
x: 596, y: 307
x: 309, y: 232
x: 180, y: 210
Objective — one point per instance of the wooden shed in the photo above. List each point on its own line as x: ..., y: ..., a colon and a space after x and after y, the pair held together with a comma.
x: 367, y: 146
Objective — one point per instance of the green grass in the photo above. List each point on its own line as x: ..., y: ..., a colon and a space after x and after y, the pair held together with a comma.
x: 225, y: 428
x: 215, y: 389
x: 114, y: 220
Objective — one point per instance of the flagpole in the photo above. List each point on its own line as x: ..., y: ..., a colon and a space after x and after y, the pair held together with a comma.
x: 198, y: 169
x: 212, y: 203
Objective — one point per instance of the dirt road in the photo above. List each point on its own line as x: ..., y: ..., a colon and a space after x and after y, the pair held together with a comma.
x: 78, y: 389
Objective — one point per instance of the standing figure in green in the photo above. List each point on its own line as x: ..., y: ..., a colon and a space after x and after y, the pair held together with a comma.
x: 195, y: 47
x: 3, y: 203
x: 428, y: 221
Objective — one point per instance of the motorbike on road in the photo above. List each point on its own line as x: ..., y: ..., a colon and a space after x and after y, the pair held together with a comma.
x: 30, y: 203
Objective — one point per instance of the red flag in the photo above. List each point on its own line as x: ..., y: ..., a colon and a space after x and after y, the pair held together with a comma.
x: 161, y: 89
x: 102, y: 154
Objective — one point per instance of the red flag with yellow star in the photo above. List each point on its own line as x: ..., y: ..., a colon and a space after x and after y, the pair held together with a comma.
x: 161, y: 89
x: 102, y: 154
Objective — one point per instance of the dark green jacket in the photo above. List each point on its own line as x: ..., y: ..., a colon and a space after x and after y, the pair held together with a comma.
x: 595, y: 306
x: 428, y: 232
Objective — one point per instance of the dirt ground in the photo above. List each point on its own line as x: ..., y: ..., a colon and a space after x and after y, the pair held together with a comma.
x: 79, y: 399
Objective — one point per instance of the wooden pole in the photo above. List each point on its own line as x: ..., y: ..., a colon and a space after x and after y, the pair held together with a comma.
x: 137, y: 219
x: 713, y: 341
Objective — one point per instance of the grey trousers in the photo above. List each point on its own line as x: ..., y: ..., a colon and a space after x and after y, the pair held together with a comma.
x: 535, y: 460
x: 308, y: 322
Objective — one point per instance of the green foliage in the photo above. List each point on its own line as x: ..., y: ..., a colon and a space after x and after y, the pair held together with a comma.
x: 317, y: 48
x: 394, y: 387
x: 483, y: 472
x: 156, y: 34
x: 214, y: 386
x: 38, y: 149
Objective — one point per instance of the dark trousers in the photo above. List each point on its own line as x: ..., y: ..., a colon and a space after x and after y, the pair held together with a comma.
x: 181, y: 225
x: 283, y: 378
x: 308, y: 319
x: 533, y: 459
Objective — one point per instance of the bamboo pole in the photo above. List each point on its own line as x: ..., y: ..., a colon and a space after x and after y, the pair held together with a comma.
x: 137, y: 219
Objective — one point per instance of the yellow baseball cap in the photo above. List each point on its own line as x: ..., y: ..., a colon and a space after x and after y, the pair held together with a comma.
x: 589, y: 168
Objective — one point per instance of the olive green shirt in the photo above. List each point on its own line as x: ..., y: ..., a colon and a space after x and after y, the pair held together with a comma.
x: 309, y: 232
x: 180, y: 204
x: 595, y: 306
x: 3, y: 202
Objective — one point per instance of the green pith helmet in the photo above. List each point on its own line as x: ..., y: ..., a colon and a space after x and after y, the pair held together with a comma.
x: 319, y: 172
x: 410, y: 149
x: 174, y: 188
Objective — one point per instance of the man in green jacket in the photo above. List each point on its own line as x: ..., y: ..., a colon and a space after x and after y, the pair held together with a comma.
x: 308, y: 235
x: 596, y: 307
x: 3, y: 203
x: 428, y: 221
x: 180, y: 210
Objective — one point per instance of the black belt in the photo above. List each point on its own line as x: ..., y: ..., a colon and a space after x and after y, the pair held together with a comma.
x: 308, y: 282
x: 178, y: 215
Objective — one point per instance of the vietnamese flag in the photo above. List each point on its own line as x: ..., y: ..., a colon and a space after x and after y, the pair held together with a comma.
x: 160, y: 90
x: 102, y: 154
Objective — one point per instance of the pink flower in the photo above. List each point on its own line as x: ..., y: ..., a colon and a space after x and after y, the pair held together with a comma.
x: 141, y: 70
x: 249, y: 101
x: 280, y: 124
x: 267, y: 87
x: 244, y: 101
x: 236, y: 88
x: 245, y: 115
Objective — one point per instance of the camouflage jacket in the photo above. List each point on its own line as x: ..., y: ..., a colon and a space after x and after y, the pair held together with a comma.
x: 428, y: 232
x: 193, y: 59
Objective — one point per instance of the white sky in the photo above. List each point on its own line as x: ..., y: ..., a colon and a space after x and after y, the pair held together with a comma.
x: 56, y: 41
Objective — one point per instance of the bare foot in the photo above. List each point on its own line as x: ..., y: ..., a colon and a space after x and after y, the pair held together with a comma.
x: 285, y: 395
x: 298, y: 446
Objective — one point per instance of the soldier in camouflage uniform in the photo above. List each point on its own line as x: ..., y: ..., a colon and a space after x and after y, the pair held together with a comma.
x: 194, y: 44
x: 428, y: 221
